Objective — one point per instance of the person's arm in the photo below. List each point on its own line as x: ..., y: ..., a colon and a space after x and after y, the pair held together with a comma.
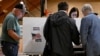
x: 84, y: 31
x: 75, y: 35
x: 46, y: 29
x: 13, y: 35
x: 11, y: 29
x: 74, y: 32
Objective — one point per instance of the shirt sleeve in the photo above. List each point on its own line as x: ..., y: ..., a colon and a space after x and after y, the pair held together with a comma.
x: 11, y: 24
x: 84, y: 30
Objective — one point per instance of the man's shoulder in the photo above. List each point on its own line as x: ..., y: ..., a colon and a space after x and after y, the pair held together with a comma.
x: 10, y: 16
x: 89, y: 17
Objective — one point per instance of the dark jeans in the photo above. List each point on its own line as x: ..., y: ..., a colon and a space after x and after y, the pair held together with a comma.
x: 9, y: 49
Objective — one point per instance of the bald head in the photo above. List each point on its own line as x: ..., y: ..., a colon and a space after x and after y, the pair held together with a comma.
x: 86, y: 9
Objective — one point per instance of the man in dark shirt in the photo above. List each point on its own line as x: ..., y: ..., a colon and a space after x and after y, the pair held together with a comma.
x: 59, y: 32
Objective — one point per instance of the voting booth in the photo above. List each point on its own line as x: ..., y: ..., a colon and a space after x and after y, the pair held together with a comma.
x: 33, y: 39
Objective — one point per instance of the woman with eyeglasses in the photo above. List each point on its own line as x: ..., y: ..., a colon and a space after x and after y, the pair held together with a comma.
x: 74, y: 13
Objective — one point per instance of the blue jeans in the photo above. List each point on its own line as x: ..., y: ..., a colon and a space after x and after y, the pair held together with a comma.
x: 9, y: 49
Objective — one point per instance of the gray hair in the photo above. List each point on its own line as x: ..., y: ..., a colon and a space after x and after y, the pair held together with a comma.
x: 87, y: 7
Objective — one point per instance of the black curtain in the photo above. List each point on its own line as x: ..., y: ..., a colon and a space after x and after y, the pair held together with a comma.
x: 42, y: 7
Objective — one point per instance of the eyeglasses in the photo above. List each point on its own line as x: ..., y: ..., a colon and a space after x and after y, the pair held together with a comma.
x: 74, y: 14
